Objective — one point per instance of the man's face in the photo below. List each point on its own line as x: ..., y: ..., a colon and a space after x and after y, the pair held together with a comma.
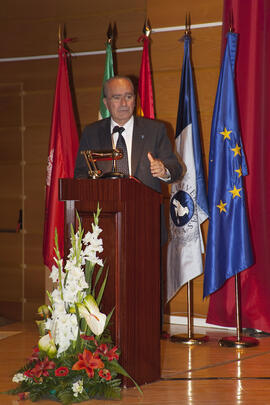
x: 120, y: 100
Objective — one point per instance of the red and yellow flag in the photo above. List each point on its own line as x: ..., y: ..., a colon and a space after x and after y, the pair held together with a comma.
x: 145, y: 99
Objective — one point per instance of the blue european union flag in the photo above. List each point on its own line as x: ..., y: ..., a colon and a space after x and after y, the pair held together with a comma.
x: 228, y: 249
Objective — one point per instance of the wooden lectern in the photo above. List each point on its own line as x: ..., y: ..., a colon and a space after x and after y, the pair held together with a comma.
x: 130, y: 219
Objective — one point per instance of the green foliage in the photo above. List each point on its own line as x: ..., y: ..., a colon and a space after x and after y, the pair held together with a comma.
x: 89, y: 269
x: 109, y: 390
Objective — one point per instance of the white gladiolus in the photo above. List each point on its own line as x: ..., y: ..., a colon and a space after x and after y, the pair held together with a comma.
x: 54, y: 274
x: 64, y: 330
x: 93, y: 245
x: 71, y: 289
x: 92, y: 237
x: 90, y: 255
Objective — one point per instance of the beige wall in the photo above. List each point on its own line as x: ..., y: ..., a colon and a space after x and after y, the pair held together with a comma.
x: 30, y: 28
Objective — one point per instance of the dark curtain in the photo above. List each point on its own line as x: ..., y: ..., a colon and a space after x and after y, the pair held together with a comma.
x: 251, y: 20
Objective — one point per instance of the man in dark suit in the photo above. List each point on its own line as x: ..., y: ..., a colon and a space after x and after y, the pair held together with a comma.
x: 146, y: 146
x: 149, y: 151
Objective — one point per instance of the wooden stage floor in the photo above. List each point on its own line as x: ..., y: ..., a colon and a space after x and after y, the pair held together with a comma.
x: 191, y: 375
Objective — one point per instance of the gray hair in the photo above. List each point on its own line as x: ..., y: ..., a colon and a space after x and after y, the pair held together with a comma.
x: 108, y: 81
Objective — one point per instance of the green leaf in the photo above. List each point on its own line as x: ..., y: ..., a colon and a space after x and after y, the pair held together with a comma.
x: 89, y: 269
x: 120, y: 370
x: 50, y: 297
x: 96, y: 215
x: 97, y: 280
x: 78, y: 340
x: 56, y: 249
x: 65, y: 396
x: 101, y: 291
x: 109, y: 318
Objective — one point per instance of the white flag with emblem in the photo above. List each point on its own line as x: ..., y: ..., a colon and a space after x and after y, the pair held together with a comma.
x: 188, y: 203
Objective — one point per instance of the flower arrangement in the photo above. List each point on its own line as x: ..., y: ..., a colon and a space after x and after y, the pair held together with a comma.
x: 75, y: 359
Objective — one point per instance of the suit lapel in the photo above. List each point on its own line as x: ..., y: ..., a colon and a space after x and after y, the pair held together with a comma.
x: 138, y: 141
x: 104, y: 136
x: 104, y: 142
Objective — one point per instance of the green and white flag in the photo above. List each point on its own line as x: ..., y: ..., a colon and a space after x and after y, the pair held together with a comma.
x: 108, y: 73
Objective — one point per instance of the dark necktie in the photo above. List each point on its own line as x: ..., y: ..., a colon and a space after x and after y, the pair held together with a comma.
x: 121, y: 164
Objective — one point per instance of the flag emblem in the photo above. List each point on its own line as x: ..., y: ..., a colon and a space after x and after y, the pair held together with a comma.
x: 181, y: 208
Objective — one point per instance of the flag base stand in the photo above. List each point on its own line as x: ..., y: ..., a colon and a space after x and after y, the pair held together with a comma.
x: 189, y: 339
x: 196, y: 339
x: 233, y: 341
x: 238, y: 341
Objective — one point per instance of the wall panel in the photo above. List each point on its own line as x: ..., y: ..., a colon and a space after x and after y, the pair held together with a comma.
x: 11, y: 271
x: 36, y: 24
x: 173, y: 12
x: 11, y: 274
x: 30, y: 28
x: 10, y: 144
x: 33, y: 252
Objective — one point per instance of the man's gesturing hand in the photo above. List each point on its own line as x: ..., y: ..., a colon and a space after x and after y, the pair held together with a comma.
x: 157, y: 167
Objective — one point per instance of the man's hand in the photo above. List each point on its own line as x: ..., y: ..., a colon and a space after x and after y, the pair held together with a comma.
x: 157, y: 167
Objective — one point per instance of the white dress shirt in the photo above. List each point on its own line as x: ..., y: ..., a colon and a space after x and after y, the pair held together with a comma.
x: 127, y: 135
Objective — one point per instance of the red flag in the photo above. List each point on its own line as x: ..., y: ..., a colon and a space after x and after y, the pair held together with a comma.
x: 61, y: 158
x: 145, y: 106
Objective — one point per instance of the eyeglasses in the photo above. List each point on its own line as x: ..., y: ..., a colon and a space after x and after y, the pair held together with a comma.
x: 119, y: 97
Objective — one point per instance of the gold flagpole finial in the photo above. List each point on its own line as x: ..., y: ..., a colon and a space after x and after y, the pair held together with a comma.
x: 109, y: 34
x: 147, y: 28
x: 60, y: 34
x: 231, y: 21
x: 188, y: 24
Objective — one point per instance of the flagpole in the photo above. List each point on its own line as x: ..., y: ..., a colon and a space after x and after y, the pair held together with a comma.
x: 108, y: 72
x: 190, y: 338
x: 236, y: 257
x: 238, y: 341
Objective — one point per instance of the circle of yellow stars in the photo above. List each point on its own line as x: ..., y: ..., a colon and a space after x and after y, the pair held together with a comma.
x: 235, y: 191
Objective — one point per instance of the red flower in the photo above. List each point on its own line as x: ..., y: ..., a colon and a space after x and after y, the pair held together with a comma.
x: 23, y: 395
x: 41, y: 368
x: 27, y: 373
x: 61, y: 371
x: 34, y: 356
x: 104, y: 373
x: 86, y: 337
x: 110, y: 354
x: 89, y: 362
x: 102, y: 349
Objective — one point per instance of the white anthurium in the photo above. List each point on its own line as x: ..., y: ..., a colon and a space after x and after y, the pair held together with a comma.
x: 46, y: 344
x: 92, y: 315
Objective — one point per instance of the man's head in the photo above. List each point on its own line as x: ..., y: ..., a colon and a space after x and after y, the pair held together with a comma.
x: 119, y: 98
